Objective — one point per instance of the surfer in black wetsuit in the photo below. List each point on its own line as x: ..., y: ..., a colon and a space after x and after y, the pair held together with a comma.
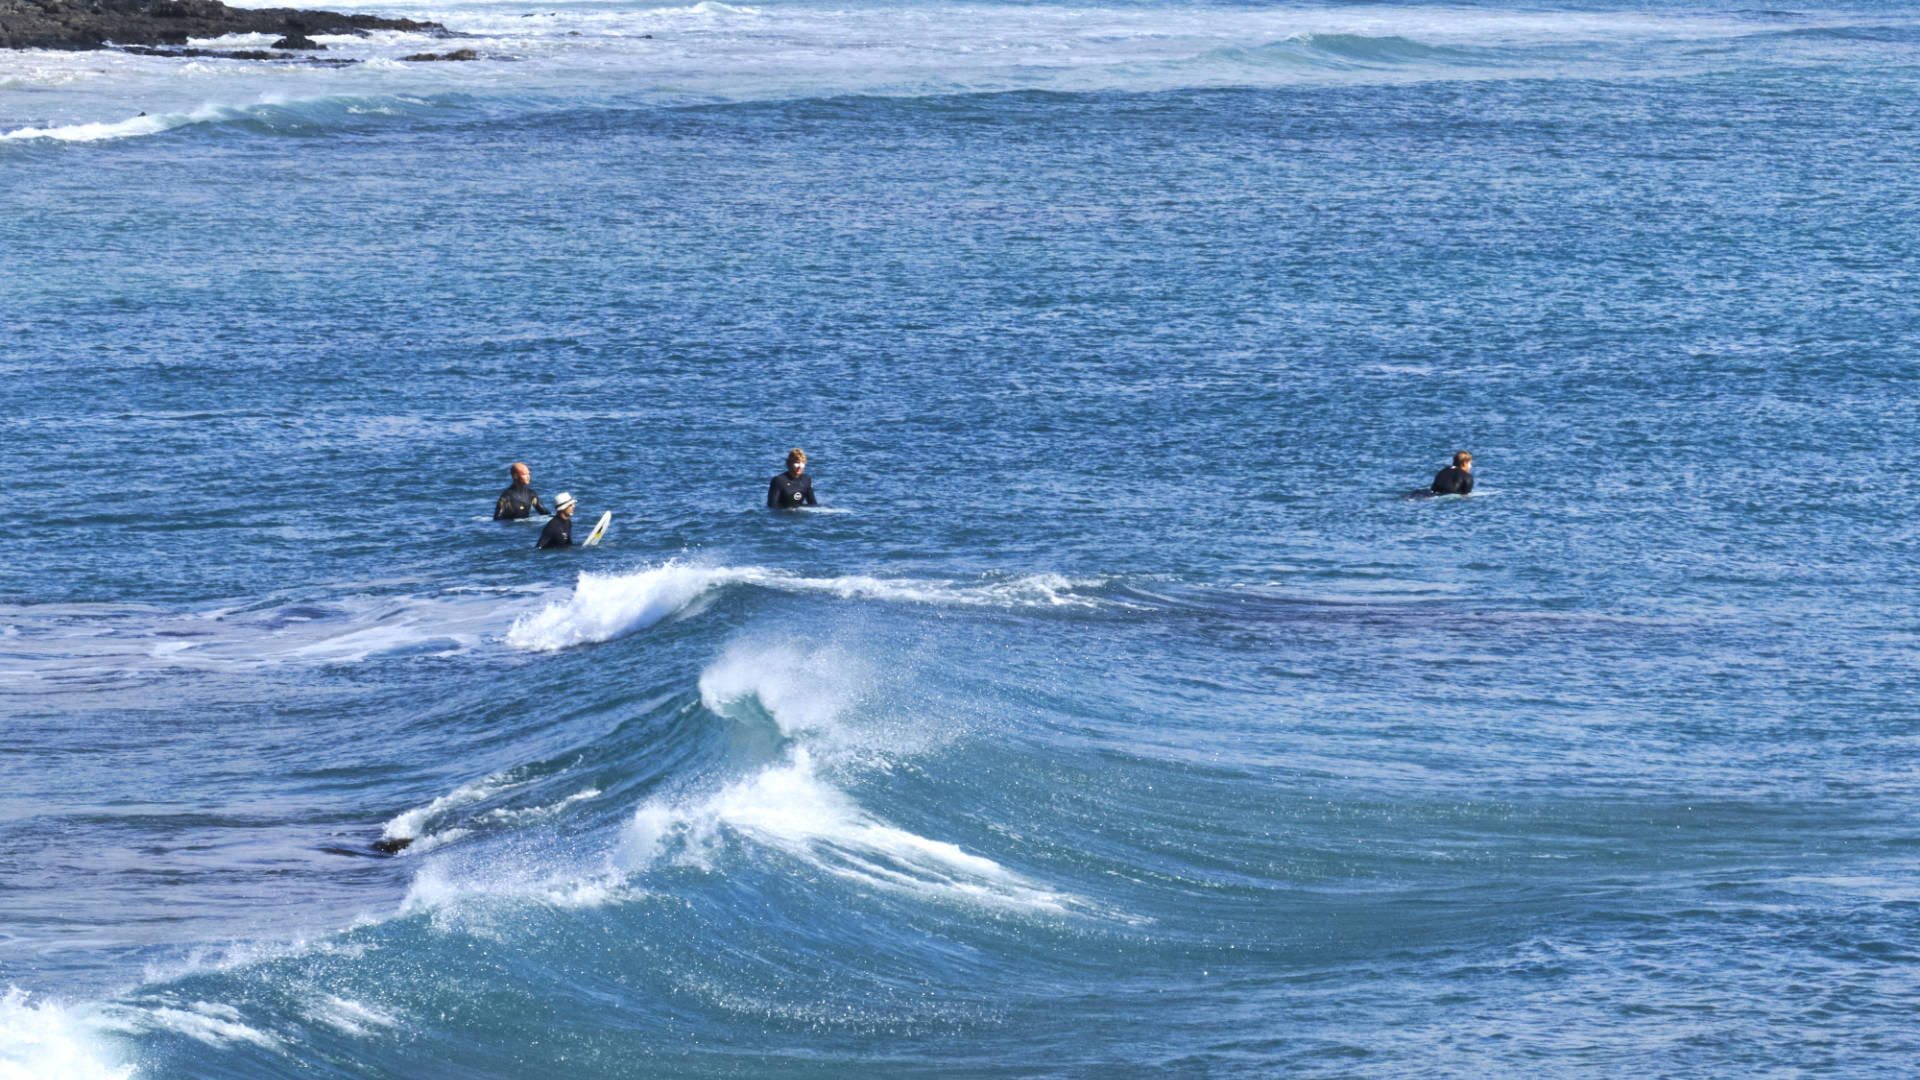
x: 792, y: 488
x: 1457, y: 478
x: 519, y: 500
x: 559, y: 530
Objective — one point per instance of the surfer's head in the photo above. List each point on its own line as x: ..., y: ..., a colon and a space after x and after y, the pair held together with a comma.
x: 796, y: 460
x: 563, y: 505
x: 518, y: 470
x: 1463, y: 461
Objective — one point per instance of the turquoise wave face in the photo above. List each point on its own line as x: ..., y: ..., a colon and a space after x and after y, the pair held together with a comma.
x: 1121, y: 708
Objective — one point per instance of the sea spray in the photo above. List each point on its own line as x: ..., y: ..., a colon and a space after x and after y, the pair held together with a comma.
x: 805, y: 691
x: 42, y: 1040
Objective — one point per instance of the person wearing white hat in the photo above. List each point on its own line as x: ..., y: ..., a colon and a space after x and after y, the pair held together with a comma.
x: 559, y: 530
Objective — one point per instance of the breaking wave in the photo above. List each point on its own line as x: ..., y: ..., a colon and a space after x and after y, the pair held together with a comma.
x: 792, y: 807
x: 45, y: 1041
x: 791, y: 796
x: 79, y: 645
x: 607, y: 606
x: 793, y: 803
x: 271, y: 115
x: 120, y: 129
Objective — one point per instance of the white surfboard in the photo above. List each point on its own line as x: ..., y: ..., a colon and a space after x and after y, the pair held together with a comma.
x: 599, y: 530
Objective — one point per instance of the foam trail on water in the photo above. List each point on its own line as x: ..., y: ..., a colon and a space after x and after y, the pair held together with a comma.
x: 43, y: 1041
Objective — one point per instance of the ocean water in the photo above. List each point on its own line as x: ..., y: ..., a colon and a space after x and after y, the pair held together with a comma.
x: 1118, y: 713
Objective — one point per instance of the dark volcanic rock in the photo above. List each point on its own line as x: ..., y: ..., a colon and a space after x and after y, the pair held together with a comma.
x: 224, y: 54
x: 234, y: 54
x: 93, y: 24
x: 457, y: 54
x: 298, y: 41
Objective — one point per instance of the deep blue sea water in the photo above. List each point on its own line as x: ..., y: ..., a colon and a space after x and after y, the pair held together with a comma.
x: 1119, y: 714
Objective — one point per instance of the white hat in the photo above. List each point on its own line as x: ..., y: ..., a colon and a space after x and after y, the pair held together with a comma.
x: 561, y: 502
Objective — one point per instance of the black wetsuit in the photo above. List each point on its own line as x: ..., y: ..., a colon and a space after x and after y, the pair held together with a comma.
x: 518, y: 501
x: 557, y: 534
x: 788, y: 491
x: 1453, y: 480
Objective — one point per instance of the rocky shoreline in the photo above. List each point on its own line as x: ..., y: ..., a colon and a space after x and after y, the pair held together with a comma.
x: 149, y: 26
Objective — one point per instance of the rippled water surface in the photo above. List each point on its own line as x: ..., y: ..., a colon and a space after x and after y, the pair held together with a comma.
x: 1119, y: 712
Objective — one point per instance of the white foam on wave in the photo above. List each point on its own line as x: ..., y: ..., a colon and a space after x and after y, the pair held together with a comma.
x: 45, y: 1041
x: 131, y: 127
x: 409, y: 825
x: 442, y: 889
x: 796, y: 804
x: 58, y: 644
x: 1024, y: 591
x: 524, y: 815
x: 347, y: 1015
x: 606, y: 606
x: 603, y: 607
x: 212, y: 1023
x: 434, y: 825
x: 705, y: 7
x: 96, y: 132
x: 805, y: 692
x: 794, y: 809
x: 277, y: 96
x: 793, y: 804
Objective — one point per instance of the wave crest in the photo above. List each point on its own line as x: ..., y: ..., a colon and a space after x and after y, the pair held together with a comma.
x: 271, y: 114
x: 791, y: 804
x: 607, y: 606
x: 118, y: 129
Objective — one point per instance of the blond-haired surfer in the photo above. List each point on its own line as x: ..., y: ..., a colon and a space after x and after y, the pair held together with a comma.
x: 1457, y: 478
x: 793, y: 488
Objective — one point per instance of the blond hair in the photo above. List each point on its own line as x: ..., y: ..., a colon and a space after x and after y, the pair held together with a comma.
x: 1461, y: 458
x: 796, y: 455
